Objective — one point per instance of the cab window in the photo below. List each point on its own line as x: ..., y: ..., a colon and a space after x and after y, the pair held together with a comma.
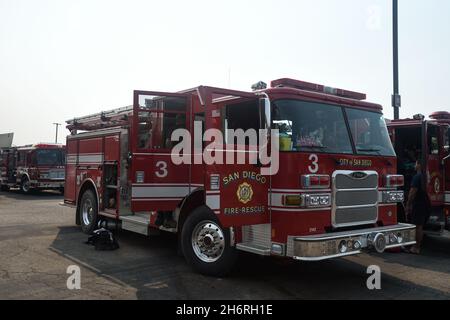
x: 159, y: 118
x: 433, y: 142
x: 245, y: 116
x: 21, y: 158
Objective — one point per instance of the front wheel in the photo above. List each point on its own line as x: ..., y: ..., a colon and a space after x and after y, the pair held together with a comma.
x: 25, y: 185
x: 88, y: 212
x: 206, y: 245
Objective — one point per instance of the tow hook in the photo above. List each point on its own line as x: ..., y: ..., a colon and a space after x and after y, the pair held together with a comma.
x: 377, y: 241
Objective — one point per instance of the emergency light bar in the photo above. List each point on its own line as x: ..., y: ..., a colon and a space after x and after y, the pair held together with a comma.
x: 440, y: 115
x: 308, y: 86
x: 47, y: 145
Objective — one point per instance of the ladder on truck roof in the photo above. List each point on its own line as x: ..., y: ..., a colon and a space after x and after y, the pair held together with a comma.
x: 102, y: 120
x: 120, y: 116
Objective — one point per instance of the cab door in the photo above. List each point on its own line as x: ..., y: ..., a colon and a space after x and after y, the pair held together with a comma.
x: 446, y: 166
x: 435, y: 182
x: 235, y: 189
x: 12, y: 165
x: 157, y: 184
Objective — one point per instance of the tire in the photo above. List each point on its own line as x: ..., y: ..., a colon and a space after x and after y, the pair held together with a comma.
x: 4, y: 188
x: 211, y: 254
x: 25, y: 185
x: 88, y: 212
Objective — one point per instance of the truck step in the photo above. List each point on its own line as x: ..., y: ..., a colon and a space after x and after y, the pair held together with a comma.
x: 253, y: 248
x: 136, y: 223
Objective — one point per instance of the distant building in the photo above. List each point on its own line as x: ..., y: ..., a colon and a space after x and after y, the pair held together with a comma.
x: 6, y: 140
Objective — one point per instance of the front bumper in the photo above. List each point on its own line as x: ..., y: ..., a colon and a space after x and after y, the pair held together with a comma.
x: 48, y: 184
x: 341, y: 244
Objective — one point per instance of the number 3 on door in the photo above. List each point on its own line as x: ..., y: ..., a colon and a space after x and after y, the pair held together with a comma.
x: 314, y: 167
x: 162, y: 169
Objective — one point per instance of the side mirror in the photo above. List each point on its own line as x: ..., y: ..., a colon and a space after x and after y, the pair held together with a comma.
x: 265, y: 106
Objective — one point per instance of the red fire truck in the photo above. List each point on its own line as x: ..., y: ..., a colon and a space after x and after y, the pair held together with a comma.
x: 32, y: 167
x: 427, y: 141
x: 335, y: 193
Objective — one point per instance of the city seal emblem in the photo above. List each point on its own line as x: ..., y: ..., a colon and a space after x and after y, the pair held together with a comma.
x: 245, y: 193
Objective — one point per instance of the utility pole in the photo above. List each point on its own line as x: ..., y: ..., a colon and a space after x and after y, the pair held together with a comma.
x: 396, y: 98
x: 57, y: 126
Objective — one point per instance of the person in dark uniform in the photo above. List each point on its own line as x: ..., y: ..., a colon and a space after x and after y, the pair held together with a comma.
x: 417, y: 207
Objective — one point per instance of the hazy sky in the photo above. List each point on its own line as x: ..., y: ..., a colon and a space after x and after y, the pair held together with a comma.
x: 64, y: 58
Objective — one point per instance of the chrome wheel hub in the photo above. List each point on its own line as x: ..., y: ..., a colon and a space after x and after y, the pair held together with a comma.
x: 208, y: 241
x: 26, y: 186
x: 87, y: 212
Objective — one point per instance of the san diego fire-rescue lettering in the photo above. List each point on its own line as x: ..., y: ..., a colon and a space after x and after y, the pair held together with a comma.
x: 244, y: 210
x: 244, y: 192
x: 250, y: 175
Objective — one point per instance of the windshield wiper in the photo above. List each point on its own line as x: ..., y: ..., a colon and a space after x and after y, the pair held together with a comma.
x: 313, y: 147
x: 377, y: 151
x: 368, y: 150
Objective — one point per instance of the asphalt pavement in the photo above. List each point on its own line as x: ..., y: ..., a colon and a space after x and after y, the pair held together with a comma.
x: 39, y: 241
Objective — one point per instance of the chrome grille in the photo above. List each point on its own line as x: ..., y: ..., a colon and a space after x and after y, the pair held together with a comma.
x: 56, y: 175
x: 355, y: 198
x: 345, y: 180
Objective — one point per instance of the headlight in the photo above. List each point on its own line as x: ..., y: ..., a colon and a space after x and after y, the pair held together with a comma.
x: 393, y: 196
x: 318, y: 200
x: 307, y: 200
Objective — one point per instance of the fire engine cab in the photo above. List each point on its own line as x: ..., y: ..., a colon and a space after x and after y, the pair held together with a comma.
x: 334, y: 193
x: 32, y: 167
x: 427, y: 141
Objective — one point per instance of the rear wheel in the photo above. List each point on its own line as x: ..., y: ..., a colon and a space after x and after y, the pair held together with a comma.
x: 206, y: 245
x: 88, y: 211
x: 25, y: 185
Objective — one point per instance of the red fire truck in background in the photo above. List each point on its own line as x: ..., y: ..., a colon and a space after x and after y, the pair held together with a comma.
x: 335, y: 193
x: 427, y: 141
x: 33, y: 167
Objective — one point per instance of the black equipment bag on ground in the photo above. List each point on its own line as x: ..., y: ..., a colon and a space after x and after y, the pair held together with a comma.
x: 103, y: 240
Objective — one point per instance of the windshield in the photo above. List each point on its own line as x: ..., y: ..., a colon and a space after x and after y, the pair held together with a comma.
x: 369, y: 133
x: 51, y: 157
x: 306, y: 126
